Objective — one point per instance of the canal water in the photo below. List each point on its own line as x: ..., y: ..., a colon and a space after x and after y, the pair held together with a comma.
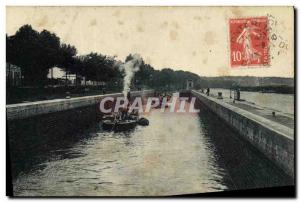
x: 176, y: 154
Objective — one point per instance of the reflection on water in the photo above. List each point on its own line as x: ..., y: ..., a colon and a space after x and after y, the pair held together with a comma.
x: 175, y: 154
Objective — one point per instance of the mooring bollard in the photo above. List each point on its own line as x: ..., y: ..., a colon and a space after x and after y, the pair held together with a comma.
x: 220, y: 95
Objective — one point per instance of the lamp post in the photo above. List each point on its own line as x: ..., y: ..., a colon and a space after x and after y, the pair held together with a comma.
x: 232, y: 88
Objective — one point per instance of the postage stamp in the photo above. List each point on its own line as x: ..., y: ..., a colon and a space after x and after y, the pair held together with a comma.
x: 249, y: 42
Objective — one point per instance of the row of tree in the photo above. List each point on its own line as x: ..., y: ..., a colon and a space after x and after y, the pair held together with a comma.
x: 36, y: 52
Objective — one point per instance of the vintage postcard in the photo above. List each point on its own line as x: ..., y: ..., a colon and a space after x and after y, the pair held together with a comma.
x: 150, y: 101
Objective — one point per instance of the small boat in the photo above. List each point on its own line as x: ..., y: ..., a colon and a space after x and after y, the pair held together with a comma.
x: 123, y: 125
x: 143, y: 122
x: 114, y: 122
x: 108, y: 125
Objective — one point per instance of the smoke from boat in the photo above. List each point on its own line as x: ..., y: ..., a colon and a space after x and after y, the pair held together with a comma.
x: 130, y: 68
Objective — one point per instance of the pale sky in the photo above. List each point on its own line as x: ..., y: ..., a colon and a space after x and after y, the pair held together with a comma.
x: 194, y: 39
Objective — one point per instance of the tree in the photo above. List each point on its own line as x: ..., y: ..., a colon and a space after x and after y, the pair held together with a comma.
x: 68, y: 61
x: 34, y: 52
x: 67, y: 57
x: 10, y: 53
x: 145, y: 75
x: 99, y: 67
x: 37, y: 52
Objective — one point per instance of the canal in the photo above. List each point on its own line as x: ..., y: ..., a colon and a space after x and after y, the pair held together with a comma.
x: 176, y: 154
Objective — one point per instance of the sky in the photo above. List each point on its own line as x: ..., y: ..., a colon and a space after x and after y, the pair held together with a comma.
x: 192, y: 39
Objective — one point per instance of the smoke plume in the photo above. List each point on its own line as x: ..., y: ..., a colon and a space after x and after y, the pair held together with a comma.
x: 130, y: 68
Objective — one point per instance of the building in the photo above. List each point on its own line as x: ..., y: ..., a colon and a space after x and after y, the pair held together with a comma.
x: 60, y: 75
x: 13, y: 75
x: 189, y: 84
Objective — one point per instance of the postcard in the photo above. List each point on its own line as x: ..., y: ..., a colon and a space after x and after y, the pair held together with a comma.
x: 150, y: 101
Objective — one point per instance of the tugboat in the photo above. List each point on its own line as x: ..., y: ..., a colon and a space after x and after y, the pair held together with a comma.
x: 123, y: 121
x: 118, y: 124
x: 125, y: 125
x: 120, y: 121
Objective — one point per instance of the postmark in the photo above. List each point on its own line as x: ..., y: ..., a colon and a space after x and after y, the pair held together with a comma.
x: 249, y: 42
x: 277, y: 42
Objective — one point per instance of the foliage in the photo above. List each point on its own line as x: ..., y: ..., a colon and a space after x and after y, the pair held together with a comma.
x: 36, y: 52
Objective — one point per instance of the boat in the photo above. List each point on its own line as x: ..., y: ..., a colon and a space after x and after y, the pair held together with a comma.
x: 143, y: 122
x: 108, y: 125
x: 122, y: 121
x: 111, y: 124
x: 123, y: 125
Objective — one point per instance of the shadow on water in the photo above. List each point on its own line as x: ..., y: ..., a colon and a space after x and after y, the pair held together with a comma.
x: 48, y: 137
x: 246, y: 166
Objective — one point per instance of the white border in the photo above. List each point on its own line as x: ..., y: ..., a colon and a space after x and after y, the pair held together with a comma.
x: 111, y: 3
x: 152, y: 2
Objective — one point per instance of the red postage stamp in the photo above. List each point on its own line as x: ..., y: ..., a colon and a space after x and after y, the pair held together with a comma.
x: 249, y: 41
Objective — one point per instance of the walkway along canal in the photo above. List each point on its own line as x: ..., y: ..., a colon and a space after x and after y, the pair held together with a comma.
x: 68, y: 154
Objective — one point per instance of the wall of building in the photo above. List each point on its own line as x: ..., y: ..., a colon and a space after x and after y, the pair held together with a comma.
x: 272, y: 139
x: 13, y: 75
